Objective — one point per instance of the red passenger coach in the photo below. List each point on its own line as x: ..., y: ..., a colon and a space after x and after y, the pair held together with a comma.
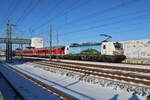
x: 43, y: 51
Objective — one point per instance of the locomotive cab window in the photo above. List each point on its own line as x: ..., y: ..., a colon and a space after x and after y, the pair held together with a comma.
x: 67, y: 48
x: 104, y: 47
x: 118, y: 45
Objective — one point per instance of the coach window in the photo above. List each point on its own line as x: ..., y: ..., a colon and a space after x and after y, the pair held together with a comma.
x: 46, y: 51
x: 62, y: 48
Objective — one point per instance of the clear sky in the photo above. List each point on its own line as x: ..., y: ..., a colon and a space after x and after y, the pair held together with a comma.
x: 77, y: 21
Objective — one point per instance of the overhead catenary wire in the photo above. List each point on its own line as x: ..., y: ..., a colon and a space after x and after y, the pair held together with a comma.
x: 12, y: 9
x: 8, y: 9
x: 24, y: 11
x: 64, y: 40
x: 97, y: 13
x: 108, y: 24
x: 121, y: 31
x: 117, y: 31
x: 94, y: 14
x: 130, y: 13
x: 62, y: 12
x: 51, y: 10
x: 54, y: 17
x: 104, y: 25
x: 112, y: 17
x: 118, y: 16
x: 34, y: 6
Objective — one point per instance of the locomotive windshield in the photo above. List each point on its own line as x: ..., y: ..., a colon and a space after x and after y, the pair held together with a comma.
x: 118, y: 45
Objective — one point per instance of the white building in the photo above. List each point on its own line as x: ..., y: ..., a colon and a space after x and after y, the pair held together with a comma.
x: 137, y: 51
x: 37, y: 42
x: 137, y: 48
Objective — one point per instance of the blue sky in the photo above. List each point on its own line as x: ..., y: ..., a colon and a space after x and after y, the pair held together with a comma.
x: 77, y: 21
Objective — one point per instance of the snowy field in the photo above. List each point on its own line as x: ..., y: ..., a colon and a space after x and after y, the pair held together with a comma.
x: 77, y: 88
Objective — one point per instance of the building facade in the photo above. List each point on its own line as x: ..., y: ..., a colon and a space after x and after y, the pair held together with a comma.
x: 37, y: 42
x: 137, y: 50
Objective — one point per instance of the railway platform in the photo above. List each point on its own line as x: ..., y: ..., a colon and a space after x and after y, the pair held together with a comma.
x: 25, y: 88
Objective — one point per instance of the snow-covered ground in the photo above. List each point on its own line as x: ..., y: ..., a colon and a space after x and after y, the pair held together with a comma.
x: 28, y: 89
x: 77, y: 88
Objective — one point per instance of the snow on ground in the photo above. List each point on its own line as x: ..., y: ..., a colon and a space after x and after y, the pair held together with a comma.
x: 26, y: 88
x: 79, y: 89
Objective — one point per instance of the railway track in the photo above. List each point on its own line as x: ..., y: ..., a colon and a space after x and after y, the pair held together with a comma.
x: 15, y: 95
x: 135, y: 64
x: 106, y: 66
x: 102, y: 73
x: 91, y: 61
x: 39, y: 83
x: 132, y: 80
x: 60, y: 60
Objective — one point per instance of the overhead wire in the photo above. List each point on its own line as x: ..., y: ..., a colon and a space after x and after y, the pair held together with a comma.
x: 52, y: 9
x: 121, y: 15
x: 86, y: 36
x: 67, y: 9
x: 113, y: 17
x: 28, y: 12
x: 102, y: 12
x: 28, y: 6
x: 8, y: 9
x: 54, y: 17
x: 104, y: 25
x: 14, y: 7
x: 137, y: 17
x: 118, y: 31
x: 97, y: 13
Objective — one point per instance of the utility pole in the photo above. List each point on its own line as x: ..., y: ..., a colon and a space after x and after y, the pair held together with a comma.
x: 9, y: 42
x: 50, y: 42
x: 57, y: 38
x: 21, y: 47
x: 57, y: 41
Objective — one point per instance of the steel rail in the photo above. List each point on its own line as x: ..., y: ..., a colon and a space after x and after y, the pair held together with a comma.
x: 132, y: 75
x: 87, y: 71
x: 106, y: 66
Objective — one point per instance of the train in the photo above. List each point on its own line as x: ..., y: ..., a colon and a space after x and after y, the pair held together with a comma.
x: 110, y: 52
